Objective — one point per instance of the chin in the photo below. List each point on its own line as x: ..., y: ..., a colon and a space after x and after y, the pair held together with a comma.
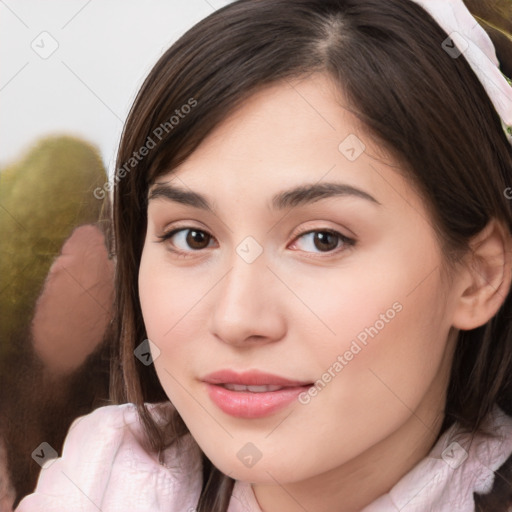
x: 268, y: 469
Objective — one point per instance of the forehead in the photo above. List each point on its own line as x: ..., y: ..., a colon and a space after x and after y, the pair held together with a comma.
x: 291, y: 133
x: 280, y: 122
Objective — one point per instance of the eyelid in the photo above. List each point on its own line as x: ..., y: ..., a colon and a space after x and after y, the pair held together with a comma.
x: 347, y: 241
x: 305, y: 231
x: 167, y: 234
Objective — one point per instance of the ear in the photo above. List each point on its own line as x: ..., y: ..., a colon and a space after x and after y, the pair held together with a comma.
x: 486, y: 277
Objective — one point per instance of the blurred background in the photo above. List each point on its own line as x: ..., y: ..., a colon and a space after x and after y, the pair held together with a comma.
x: 74, y: 66
x: 70, y: 72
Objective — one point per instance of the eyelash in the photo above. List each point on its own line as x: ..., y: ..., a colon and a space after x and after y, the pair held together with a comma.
x: 348, y: 242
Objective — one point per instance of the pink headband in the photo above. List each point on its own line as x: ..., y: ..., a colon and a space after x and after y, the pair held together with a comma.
x: 468, y: 38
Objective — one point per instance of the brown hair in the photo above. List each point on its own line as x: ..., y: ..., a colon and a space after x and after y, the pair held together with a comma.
x: 428, y: 109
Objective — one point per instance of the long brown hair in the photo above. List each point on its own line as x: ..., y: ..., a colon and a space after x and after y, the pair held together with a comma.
x: 426, y: 108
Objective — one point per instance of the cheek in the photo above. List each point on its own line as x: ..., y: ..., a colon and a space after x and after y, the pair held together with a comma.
x: 369, y: 306
x: 387, y: 330
x: 162, y: 308
x: 170, y: 301
x: 390, y: 350
x: 167, y: 295
x: 383, y: 361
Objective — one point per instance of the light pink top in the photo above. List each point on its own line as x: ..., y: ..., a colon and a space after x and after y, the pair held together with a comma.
x: 104, y: 467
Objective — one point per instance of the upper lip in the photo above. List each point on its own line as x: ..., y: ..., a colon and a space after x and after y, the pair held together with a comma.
x: 250, y: 378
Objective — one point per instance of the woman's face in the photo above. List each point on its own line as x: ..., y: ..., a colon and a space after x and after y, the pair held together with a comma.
x: 315, y: 279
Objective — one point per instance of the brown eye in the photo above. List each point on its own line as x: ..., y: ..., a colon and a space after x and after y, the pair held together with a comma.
x: 323, y: 241
x: 185, y: 240
x: 196, y: 239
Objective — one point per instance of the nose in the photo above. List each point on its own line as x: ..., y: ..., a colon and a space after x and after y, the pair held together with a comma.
x: 246, y: 307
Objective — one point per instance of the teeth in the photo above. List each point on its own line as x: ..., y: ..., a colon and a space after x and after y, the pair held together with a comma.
x: 252, y: 389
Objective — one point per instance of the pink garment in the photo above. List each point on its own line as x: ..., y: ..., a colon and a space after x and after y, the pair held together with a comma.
x: 105, y: 467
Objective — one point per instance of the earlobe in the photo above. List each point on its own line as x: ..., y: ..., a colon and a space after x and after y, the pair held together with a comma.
x: 486, y: 278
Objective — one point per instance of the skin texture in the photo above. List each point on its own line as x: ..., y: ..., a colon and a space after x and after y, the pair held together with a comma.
x: 299, y: 305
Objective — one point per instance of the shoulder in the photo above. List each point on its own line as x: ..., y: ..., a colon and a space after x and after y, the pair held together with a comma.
x: 496, y: 452
x: 491, y: 446
x: 477, y: 460
x: 105, y: 464
x: 458, y: 468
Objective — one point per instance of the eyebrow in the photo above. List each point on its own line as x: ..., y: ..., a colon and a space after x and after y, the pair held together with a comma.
x: 297, y: 196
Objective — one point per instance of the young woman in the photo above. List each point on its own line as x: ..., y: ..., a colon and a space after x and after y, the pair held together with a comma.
x: 312, y: 228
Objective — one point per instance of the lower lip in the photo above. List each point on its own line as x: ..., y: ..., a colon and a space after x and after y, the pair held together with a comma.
x: 245, y: 404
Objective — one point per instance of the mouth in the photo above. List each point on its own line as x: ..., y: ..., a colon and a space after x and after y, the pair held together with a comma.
x: 252, y: 389
x: 252, y: 394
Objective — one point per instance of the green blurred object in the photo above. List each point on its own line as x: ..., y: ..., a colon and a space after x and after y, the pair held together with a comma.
x: 43, y: 198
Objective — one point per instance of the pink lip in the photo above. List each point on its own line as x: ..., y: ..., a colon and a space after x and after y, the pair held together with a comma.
x: 247, y: 404
x: 251, y: 378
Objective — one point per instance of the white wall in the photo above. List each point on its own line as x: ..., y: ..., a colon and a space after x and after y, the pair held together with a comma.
x: 103, y: 49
